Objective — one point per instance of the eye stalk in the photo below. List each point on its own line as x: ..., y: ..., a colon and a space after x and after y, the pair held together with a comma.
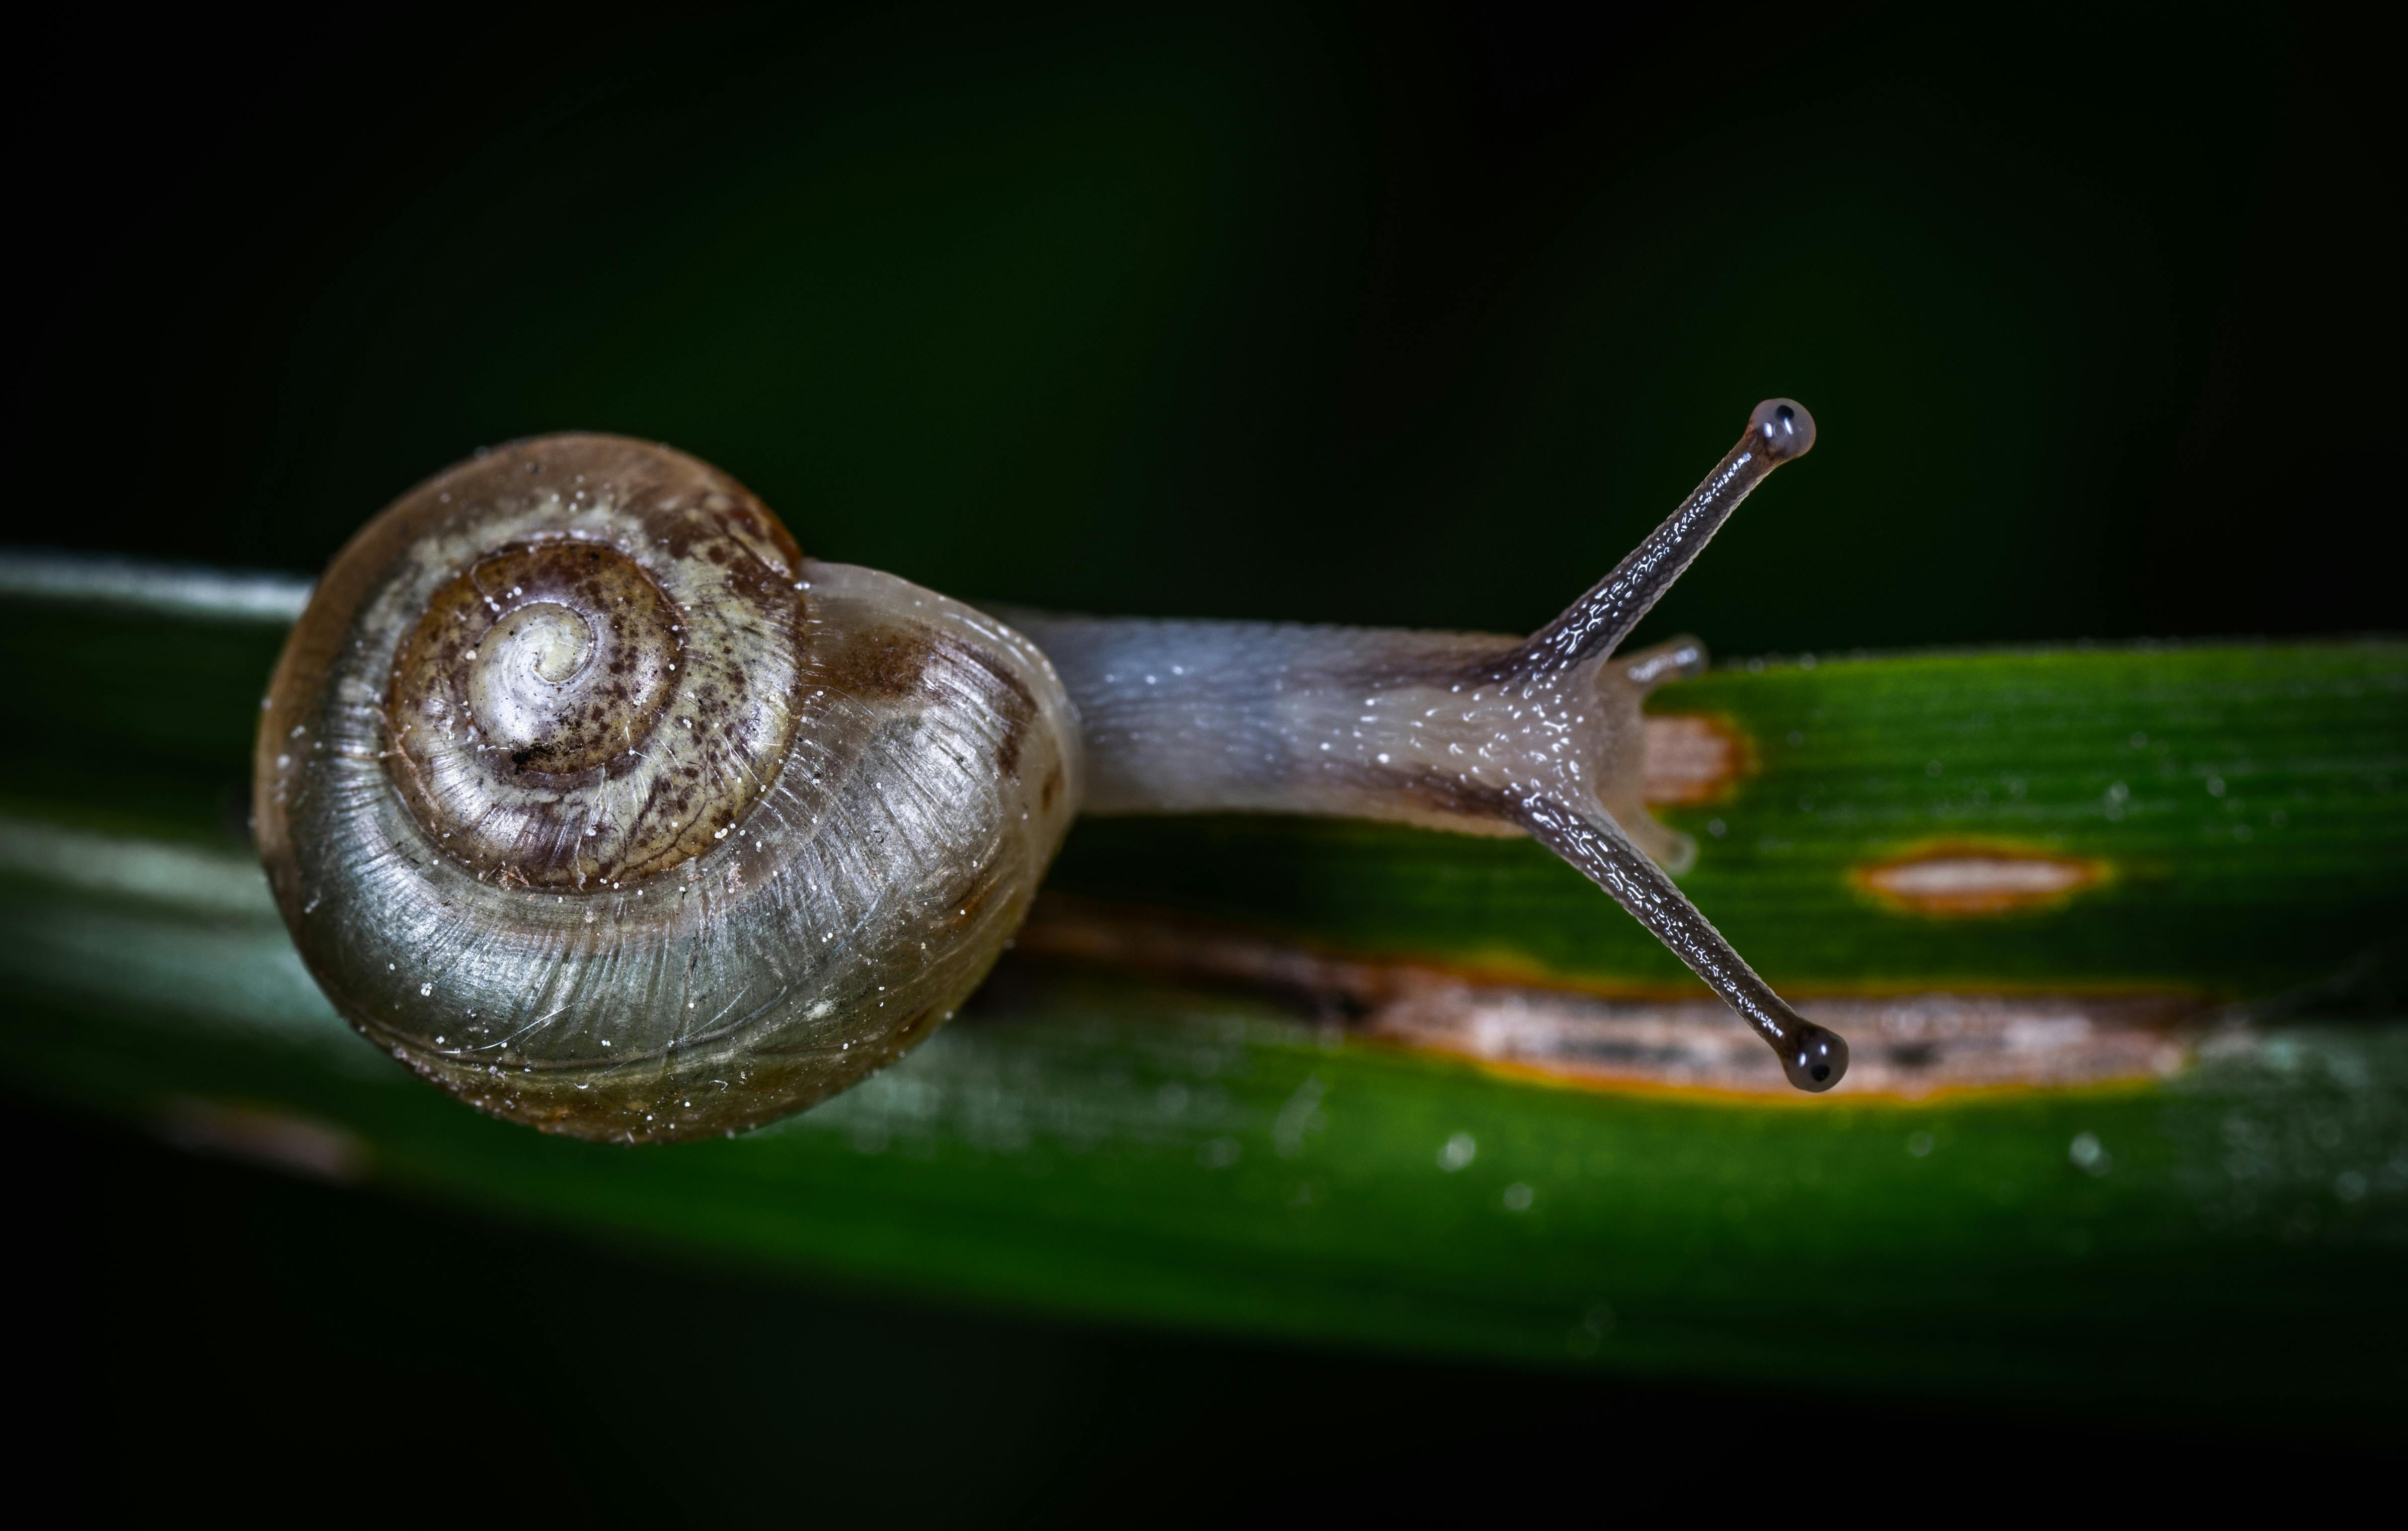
x: 1595, y: 831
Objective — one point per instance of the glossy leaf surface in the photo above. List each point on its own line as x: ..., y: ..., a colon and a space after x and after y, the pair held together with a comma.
x: 1085, y: 1144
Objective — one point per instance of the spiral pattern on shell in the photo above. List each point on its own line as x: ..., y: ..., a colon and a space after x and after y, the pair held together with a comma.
x: 593, y: 801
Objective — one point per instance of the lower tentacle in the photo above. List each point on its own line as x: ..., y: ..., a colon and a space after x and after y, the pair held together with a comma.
x: 1813, y: 1057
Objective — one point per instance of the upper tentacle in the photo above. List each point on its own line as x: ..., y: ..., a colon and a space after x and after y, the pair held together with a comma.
x: 1596, y: 624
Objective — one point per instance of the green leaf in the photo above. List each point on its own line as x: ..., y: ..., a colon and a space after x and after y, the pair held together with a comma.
x: 2228, y: 1238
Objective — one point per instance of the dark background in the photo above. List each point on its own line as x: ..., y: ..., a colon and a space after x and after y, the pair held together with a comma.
x: 1383, y: 314
x: 1380, y: 314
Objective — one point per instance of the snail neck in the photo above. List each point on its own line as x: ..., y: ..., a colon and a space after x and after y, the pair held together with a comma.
x: 1411, y: 727
x: 1202, y: 717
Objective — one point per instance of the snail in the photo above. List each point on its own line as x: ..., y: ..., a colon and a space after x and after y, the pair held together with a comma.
x: 594, y: 801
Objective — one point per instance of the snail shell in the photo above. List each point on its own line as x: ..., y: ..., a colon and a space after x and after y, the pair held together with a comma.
x: 591, y: 799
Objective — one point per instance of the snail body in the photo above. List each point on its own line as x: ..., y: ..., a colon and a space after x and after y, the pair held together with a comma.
x: 595, y: 802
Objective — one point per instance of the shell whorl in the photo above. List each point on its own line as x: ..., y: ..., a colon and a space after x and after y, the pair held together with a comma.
x: 592, y: 799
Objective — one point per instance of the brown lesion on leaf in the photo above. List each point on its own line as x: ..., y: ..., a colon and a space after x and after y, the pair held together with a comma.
x: 1903, y: 1046
x: 1907, y: 1046
x: 1975, y: 879
x: 1691, y: 759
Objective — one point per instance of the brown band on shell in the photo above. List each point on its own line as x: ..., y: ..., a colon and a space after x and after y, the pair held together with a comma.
x: 535, y: 676
x: 599, y: 697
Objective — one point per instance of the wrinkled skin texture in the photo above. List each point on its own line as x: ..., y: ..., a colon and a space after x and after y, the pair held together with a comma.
x: 1355, y: 723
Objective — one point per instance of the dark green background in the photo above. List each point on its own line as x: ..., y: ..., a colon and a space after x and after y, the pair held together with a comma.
x: 1378, y: 314
x: 1383, y: 315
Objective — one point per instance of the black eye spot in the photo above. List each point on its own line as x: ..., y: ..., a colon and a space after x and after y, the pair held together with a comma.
x: 1816, y: 1057
x: 1783, y: 428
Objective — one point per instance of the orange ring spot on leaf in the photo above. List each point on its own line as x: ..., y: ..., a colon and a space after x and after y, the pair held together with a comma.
x: 1961, y: 880
x: 1690, y: 759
